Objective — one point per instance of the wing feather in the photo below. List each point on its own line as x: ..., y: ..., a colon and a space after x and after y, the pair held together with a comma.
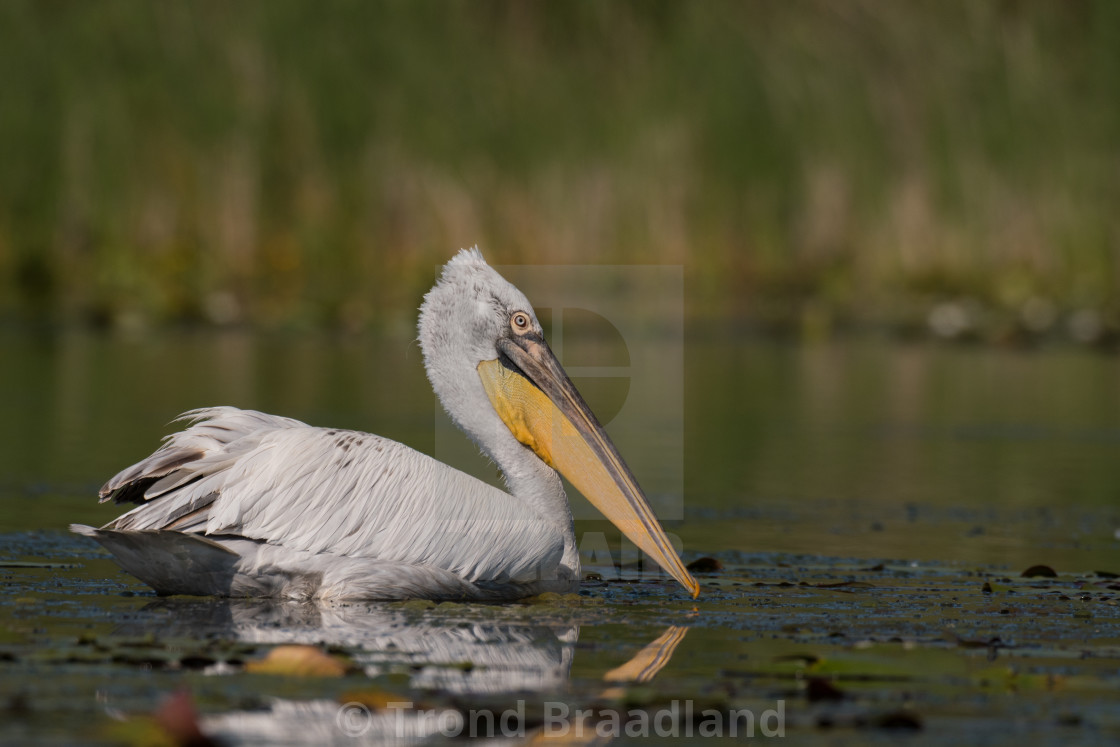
x: 245, y: 473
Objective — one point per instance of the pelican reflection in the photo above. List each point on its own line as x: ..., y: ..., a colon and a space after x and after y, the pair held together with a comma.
x: 494, y: 661
x: 504, y: 655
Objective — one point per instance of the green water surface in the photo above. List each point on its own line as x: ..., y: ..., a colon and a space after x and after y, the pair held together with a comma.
x: 873, y: 505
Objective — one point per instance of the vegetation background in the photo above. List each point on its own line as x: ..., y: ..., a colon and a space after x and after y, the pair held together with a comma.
x: 812, y: 164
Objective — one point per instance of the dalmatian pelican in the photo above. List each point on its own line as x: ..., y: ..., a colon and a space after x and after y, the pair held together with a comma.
x: 245, y: 504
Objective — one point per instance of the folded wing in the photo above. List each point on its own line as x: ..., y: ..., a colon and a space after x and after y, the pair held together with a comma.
x: 280, y: 481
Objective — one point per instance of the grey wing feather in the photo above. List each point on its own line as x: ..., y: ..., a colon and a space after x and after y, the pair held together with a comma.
x: 277, y: 480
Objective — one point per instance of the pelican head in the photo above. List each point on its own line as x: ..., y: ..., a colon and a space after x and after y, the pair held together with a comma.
x: 488, y: 362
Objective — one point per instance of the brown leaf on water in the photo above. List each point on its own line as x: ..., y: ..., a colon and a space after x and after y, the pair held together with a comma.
x: 299, y: 661
x: 178, y: 718
x: 376, y: 699
x: 1043, y: 571
x: 705, y: 565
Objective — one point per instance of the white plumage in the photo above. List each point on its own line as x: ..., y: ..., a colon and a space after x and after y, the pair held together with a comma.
x: 242, y: 503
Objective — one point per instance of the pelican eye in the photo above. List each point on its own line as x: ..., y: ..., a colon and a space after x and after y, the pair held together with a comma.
x: 519, y: 321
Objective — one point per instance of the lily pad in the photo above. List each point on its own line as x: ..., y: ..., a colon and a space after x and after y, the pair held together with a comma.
x: 299, y: 661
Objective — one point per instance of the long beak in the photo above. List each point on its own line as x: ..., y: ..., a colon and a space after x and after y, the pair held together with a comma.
x: 540, y: 405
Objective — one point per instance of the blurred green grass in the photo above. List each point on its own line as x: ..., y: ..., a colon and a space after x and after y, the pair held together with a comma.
x: 810, y: 163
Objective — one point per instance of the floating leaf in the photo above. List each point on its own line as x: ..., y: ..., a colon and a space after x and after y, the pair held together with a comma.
x: 179, y: 719
x: 705, y: 565
x: 1043, y: 571
x: 376, y: 699
x: 299, y: 661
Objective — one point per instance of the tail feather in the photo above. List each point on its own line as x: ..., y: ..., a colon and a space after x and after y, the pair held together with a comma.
x: 170, y: 562
x: 216, y: 437
x: 130, y: 484
x: 211, y: 430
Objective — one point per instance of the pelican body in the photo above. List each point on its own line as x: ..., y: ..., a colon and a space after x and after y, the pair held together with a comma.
x: 246, y: 504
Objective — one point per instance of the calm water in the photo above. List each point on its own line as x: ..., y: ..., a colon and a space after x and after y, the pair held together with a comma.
x: 910, y: 474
